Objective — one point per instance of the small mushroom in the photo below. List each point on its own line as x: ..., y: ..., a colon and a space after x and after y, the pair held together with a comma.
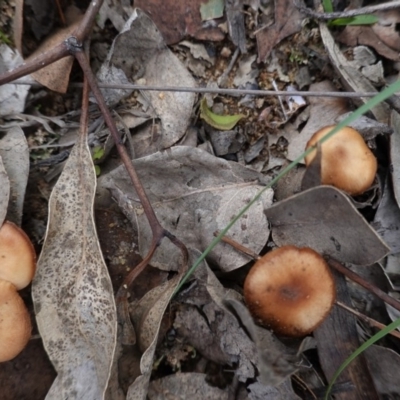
x: 346, y: 161
x: 17, y: 256
x: 15, y: 324
x: 290, y: 290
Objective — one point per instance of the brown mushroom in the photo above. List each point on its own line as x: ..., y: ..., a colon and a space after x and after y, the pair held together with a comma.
x: 290, y: 290
x: 17, y: 256
x: 15, y: 324
x: 346, y: 161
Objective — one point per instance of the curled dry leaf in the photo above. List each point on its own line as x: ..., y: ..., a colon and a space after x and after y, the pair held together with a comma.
x: 350, y: 76
x: 146, y: 316
x: 194, y: 195
x: 72, y: 291
x: 151, y: 61
x: 12, y: 97
x: 320, y: 218
x: 14, y: 152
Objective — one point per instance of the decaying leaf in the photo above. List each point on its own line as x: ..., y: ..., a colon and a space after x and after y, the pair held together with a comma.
x: 177, y: 20
x: 146, y: 317
x: 221, y: 122
x: 352, y: 79
x: 288, y: 20
x: 194, y: 194
x: 56, y: 75
x: 323, y: 112
x: 384, y: 364
x: 192, y: 385
x: 151, y: 61
x: 12, y: 97
x: 395, y: 155
x: 14, y: 152
x: 387, y: 219
x: 72, y: 291
x: 320, y: 218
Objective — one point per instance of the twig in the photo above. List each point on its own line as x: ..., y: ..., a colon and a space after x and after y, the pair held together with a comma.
x: 57, y: 52
x: 368, y: 320
x: 157, y: 230
x: 391, y: 5
x: 362, y: 282
x: 232, y: 92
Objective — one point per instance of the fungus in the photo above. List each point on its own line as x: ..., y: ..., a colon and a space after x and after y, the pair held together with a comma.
x: 290, y: 290
x: 15, y: 324
x: 17, y: 256
x: 346, y: 161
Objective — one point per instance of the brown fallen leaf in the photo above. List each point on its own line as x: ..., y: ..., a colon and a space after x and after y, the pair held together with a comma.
x: 179, y: 19
x: 366, y: 35
x: 56, y: 76
x: 288, y: 20
x: 72, y: 291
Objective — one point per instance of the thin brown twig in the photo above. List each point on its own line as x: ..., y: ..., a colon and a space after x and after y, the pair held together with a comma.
x: 58, y: 51
x: 368, y: 320
x: 233, y: 92
x: 391, y: 5
x: 157, y: 230
x: 362, y: 282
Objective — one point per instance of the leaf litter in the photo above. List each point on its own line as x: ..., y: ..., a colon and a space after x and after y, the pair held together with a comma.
x: 183, y: 195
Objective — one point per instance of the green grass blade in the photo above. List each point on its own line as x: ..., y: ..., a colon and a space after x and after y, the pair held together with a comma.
x: 395, y: 324
x: 389, y: 91
x: 327, y: 5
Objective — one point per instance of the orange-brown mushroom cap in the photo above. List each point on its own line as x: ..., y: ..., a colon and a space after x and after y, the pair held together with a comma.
x: 346, y: 161
x: 290, y: 290
x: 17, y: 256
x: 15, y: 324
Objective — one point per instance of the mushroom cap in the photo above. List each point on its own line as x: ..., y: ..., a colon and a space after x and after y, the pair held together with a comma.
x: 346, y: 161
x: 15, y: 323
x: 290, y: 290
x: 17, y: 256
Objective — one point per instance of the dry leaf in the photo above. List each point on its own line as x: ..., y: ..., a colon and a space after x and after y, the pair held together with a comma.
x: 323, y: 112
x: 194, y: 194
x: 177, y: 20
x: 14, y: 152
x: 146, y: 316
x: 151, y: 61
x: 56, y: 75
x: 351, y: 78
x: 12, y: 97
x: 192, y: 386
x: 384, y: 364
x: 320, y: 218
x: 288, y: 20
x: 387, y: 219
x: 72, y: 291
